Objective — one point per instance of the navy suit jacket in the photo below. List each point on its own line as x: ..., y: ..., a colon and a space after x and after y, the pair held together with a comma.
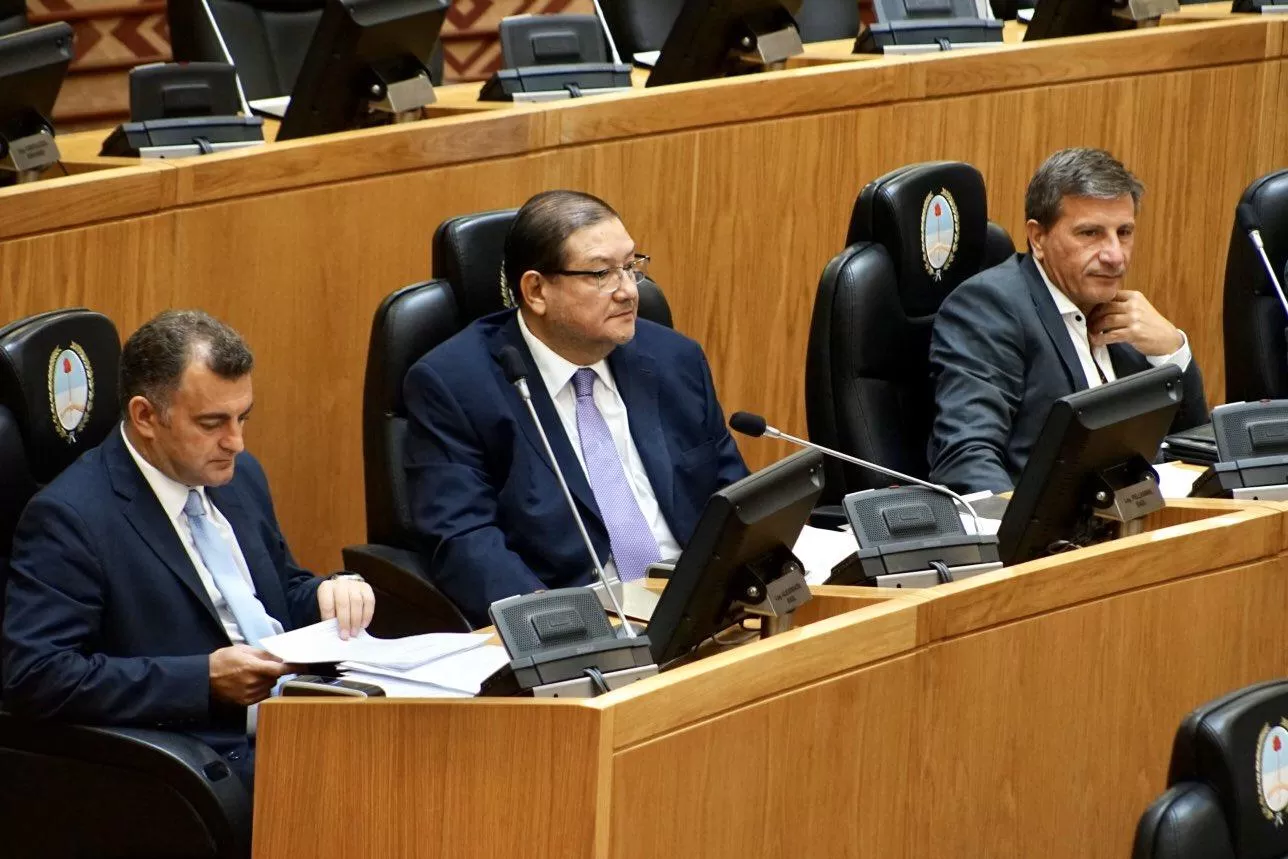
x: 1000, y: 355
x: 485, y: 498
x: 106, y: 621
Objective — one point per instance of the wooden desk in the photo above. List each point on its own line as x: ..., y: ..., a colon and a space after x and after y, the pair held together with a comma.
x: 1027, y: 712
x: 740, y: 189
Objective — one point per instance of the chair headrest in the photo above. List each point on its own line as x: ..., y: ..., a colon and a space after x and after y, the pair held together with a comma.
x: 932, y: 218
x: 1238, y: 745
x: 58, y: 378
x: 407, y: 324
x: 468, y: 252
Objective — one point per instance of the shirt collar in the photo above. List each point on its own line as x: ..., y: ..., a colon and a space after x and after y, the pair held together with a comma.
x: 557, y: 371
x: 171, y: 493
x: 1063, y: 304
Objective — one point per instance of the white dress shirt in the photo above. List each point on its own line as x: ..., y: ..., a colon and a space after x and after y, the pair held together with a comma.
x: 173, y: 495
x: 1095, y: 360
x: 557, y: 372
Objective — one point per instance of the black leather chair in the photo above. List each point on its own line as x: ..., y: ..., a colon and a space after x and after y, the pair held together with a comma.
x: 1227, y: 789
x: 643, y: 25
x: 1256, y: 350
x: 867, y: 379
x: 467, y: 254
x: 268, y: 40
x: 73, y: 791
x: 13, y: 16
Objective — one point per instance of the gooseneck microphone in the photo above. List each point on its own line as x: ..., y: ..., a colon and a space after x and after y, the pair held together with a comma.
x: 755, y: 426
x: 1246, y: 216
x: 516, y: 374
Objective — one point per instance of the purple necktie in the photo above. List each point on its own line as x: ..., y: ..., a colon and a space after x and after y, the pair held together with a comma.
x: 633, y: 544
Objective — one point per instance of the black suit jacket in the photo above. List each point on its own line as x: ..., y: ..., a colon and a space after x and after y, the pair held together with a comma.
x: 106, y: 621
x: 483, y: 494
x: 1000, y: 355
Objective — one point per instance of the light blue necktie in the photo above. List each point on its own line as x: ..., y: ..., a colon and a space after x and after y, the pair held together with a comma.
x: 215, y: 553
x: 632, y: 541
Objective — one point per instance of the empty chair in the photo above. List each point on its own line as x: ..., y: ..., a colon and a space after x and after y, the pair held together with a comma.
x: 1256, y: 351
x: 915, y: 234
x: 13, y: 16
x: 1228, y: 782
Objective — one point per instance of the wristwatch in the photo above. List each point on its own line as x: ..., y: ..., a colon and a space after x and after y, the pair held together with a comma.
x: 350, y: 576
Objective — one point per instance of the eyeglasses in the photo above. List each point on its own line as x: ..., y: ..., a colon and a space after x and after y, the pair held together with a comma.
x: 611, y: 279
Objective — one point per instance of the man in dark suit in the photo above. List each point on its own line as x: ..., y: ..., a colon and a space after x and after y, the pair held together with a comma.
x: 144, y: 576
x: 629, y: 407
x: 1013, y: 339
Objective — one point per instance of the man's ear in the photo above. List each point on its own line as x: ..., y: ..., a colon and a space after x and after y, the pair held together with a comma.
x: 1036, y: 236
x: 533, y: 287
x: 141, y: 414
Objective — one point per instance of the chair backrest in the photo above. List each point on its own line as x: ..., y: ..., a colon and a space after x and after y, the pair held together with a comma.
x: 1228, y: 784
x: 643, y: 25
x: 1256, y: 351
x: 915, y: 234
x: 13, y: 16
x: 467, y: 254
x: 58, y: 399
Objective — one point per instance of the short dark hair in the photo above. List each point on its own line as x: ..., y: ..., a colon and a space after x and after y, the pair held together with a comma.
x: 536, y: 239
x: 1078, y: 172
x: 155, y: 356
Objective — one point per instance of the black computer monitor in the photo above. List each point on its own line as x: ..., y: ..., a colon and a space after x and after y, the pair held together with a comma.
x: 361, y: 51
x: 1115, y: 430
x: 33, y: 64
x: 1053, y: 19
x: 709, y: 35
x: 746, y: 530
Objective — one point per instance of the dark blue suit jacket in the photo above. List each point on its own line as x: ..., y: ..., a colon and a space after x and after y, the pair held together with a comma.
x: 106, y: 621
x: 1000, y: 355
x: 483, y: 494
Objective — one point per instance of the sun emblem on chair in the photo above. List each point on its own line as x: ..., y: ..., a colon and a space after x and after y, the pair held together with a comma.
x: 938, y: 232
x: 71, y: 390
x: 1272, y: 771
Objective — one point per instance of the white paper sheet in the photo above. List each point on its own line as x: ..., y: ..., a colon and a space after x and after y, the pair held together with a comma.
x: 396, y: 688
x: 1176, y: 480
x: 321, y: 642
x: 462, y: 672
x: 820, y: 549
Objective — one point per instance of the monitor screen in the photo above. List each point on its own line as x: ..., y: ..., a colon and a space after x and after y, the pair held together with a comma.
x: 1053, y: 19
x: 707, y: 34
x: 357, y: 44
x: 33, y: 64
x: 1085, y: 434
x: 742, y: 523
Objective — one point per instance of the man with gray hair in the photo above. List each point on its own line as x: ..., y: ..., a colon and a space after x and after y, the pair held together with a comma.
x: 1012, y: 340
x: 145, y: 575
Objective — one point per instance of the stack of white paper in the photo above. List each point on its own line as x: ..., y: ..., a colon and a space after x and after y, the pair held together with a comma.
x: 423, y: 666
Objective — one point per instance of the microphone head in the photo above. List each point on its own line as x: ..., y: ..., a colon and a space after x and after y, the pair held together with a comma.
x: 512, y: 364
x: 748, y: 424
x: 1246, y: 215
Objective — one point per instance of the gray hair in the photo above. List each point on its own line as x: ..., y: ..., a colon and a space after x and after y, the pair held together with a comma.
x: 153, y: 360
x: 1078, y: 172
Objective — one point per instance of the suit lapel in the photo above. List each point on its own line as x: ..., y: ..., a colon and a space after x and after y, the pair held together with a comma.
x: 637, y: 382
x: 508, y: 334
x: 1053, y: 322
x: 148, y: 518
x: 263, y: 572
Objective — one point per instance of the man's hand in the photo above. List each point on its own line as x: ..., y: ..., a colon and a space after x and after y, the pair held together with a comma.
x: 245, y: 675
x: 350, y: 602
x: 1131, y: 319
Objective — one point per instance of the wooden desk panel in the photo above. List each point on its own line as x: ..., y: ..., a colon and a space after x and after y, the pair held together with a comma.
x: 741, y: 190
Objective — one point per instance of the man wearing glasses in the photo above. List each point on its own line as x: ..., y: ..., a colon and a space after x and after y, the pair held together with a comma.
x: 629, y: 407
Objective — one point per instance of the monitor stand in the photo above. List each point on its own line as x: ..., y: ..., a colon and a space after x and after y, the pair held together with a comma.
x: 769, y: 48
x: 401, y: 100
x: 771, y: 588
x: 27, y: 157
x: 1126, y: 494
